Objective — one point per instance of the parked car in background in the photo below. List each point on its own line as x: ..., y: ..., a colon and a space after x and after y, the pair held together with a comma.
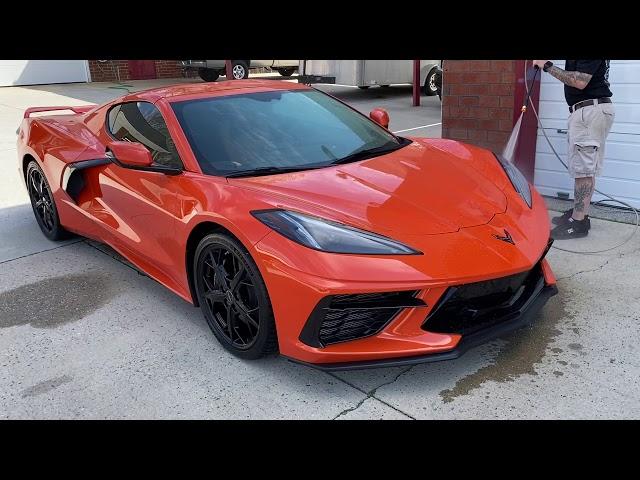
x: 367, y: 73
x: 210, y: 70
x: 437, y: 80
x: 286, y: 68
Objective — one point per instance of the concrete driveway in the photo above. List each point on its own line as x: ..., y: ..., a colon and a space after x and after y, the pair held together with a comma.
x: 84, y: 335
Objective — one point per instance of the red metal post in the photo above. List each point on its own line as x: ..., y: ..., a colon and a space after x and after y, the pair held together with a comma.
x: 416, y: 83
x: 229, y: 69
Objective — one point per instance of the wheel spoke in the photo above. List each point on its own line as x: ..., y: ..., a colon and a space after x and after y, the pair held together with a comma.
x: 35, y: 184
x: 220, y: 277
x: 207, y: 284
x: 245, y: 314
x: 239, y: 335
x: 236, y: 279
x: 209, y: 261
x: 215, y: 296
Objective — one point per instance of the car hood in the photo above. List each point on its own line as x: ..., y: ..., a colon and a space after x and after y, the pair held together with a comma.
x: 416, y: 190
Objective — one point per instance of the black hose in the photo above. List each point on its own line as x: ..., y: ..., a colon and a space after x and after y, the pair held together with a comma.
x: 529, y: 89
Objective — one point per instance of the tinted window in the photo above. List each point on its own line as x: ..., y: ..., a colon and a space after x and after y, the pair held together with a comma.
x: 142, y: 122
x: 274, y: 129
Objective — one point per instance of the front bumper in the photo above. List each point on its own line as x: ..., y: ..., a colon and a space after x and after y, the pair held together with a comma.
x: 298, y: 279
x: 525, y: 316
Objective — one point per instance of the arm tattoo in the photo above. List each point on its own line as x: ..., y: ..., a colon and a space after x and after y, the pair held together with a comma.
x: 573, y: 79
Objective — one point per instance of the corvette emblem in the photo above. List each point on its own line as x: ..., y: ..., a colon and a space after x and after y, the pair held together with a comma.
x: 507, y: 238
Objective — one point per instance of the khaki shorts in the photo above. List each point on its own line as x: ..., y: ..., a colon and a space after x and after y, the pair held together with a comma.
x: 588, y: 130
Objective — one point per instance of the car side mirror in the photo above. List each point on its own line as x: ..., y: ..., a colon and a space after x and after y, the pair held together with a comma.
x: 135, y: 156
x: 380, y: 116
x: 130, y: 154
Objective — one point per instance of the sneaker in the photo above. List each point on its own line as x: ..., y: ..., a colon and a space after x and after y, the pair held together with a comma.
x: 571, y: 229
x: 566, y: 216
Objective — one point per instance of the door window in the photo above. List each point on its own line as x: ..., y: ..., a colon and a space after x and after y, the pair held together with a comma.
x: 142, y: 122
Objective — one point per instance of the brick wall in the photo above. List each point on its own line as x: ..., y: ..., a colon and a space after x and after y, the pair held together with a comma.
x: 112, y: 70
x: 168, y: 69
x: 478, y: 101
x: 108, y: 71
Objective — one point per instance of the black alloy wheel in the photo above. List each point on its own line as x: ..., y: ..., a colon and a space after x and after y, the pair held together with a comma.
x: 233, y: 297
x: 43, y: 204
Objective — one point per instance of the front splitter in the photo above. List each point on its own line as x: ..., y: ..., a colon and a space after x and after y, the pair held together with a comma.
x: 527, y: 316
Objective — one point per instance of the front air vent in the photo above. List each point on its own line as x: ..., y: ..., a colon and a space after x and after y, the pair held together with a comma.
x: 466, y: 309
x: 341, y: 318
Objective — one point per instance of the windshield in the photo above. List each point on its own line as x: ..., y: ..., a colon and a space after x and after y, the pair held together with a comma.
x: 277, y: 130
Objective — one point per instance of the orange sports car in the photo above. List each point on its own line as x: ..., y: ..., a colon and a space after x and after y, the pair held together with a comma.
x: 296, y: 223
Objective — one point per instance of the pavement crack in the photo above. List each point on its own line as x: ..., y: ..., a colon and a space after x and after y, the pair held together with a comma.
x: 584, y: 271
x: 372, y: 394
x: 41, y: 251
x: 403, y: 372
x: 600, y: 267
x: 351, y: 409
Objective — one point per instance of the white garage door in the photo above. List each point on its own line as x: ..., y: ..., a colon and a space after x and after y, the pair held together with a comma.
x: 621, y: 173
x: 38, y: 72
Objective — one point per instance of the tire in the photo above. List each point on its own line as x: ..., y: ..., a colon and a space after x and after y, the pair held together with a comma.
x: 240, y: 316
x: 363, y: 87
x: 239, y: 69
x: 286, y: 72
x: 43, y: 204
x: 430, y: 87
x: 208, y: 75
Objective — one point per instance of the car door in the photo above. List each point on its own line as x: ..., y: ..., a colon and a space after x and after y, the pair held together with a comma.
x: 262, y: 63
x: 286, y: 63
x: 140, y: 206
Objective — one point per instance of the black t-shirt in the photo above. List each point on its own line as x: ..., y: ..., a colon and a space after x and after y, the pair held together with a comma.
x: 598, y: 87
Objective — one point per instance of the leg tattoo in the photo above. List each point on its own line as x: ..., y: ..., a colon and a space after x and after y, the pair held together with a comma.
x: 583, y: 192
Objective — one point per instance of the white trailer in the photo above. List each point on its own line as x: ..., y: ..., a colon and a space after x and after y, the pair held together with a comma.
x: 367, y: 73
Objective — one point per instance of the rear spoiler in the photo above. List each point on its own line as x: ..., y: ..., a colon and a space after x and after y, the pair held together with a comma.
x: 82, y: 109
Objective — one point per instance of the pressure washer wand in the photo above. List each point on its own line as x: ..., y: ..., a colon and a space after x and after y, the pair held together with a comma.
x: 510, y: 148
x: 530, y: 89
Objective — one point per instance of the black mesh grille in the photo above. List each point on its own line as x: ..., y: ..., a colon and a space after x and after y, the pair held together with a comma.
x: 360, y: 315
x: 469, y: 308
x: 344, y: 325
x: 341, y: 318
x: 370, y: 300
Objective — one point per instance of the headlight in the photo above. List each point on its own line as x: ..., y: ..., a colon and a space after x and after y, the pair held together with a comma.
x: 327, y: 236
x: 518, y: 180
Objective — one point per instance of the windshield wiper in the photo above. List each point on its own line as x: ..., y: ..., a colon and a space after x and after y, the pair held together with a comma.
x: 255, y: 172
x: 353, y: 157
x: 369, y: 153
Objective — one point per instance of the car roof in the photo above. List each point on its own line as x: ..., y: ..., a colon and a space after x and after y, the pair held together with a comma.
x: 195, y: 90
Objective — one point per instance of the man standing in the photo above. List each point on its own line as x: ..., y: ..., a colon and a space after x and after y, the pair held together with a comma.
x: 586, y: 90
